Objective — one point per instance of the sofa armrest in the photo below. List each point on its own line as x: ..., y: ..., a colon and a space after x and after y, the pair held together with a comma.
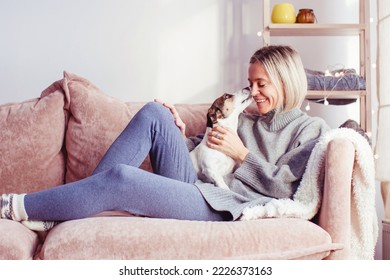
x: 335, y: 212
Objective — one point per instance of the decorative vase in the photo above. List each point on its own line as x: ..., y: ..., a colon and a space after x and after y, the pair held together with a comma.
x: 283, y: 13
x: 306, y: 16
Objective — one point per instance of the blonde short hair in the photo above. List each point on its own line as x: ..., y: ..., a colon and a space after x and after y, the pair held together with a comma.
x: 286, y: 72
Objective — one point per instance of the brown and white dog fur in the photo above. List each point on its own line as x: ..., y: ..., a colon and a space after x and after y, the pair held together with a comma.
x: 210, y: 164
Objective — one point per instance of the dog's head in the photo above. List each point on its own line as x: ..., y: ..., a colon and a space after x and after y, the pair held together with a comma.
x: 227, y: 104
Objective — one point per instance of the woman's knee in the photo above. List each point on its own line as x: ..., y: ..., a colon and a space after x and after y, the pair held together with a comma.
x: 120, y: 173
x: 155, y: 109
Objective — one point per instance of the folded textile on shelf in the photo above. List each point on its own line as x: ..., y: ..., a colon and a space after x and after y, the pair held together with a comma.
x: 340, y: 79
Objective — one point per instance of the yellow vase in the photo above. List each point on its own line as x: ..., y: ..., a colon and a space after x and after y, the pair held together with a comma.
x: 283, y: 13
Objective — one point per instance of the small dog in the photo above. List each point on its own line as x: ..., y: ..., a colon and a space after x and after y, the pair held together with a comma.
x: 212, y: 165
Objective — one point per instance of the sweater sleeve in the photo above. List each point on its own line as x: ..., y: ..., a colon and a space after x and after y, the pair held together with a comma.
x: 280, y: 180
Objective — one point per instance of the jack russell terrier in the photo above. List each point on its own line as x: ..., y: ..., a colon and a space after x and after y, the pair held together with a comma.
x: 210, y: 164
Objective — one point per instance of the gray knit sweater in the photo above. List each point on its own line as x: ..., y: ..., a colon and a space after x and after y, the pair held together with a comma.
x: 280, y: 145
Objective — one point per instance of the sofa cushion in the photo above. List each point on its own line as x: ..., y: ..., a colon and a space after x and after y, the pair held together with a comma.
x: 16, y: 241
x: 31, y: 142
x: 96, y: 120
x: 146, y: 238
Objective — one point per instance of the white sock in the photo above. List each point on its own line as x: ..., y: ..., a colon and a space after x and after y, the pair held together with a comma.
x: 19, y: 213
x: 4, y: 206
x: 12, y: 207
x: 39, y: 225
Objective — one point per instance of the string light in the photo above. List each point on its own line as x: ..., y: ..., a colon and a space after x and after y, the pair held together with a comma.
x: 326, y: 102
x: 340, y: 74
x: 307, y: 108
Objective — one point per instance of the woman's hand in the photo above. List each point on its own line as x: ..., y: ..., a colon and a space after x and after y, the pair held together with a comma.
x: 227, y: 142
x: 178, y: 121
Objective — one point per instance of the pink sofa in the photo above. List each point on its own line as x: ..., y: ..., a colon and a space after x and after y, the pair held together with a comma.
x: 61, y: 136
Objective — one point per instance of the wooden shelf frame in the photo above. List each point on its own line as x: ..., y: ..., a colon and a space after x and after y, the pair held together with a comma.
x: 315, y: 29
x: 361, y: 29
x: 350, y: 94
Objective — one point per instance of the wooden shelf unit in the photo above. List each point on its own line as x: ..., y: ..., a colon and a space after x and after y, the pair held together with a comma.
x: 361, y: 29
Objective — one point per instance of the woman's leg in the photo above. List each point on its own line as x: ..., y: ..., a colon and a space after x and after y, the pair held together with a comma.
x: 152, y: 130
x: 121, y: 188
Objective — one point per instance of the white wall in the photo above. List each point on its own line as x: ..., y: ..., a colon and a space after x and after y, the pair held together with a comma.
x: 176, y: 50
x: 136, y: 50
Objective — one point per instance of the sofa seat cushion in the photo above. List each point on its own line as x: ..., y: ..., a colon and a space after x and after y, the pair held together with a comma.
x: 16, y: 241
x: 149, y: 238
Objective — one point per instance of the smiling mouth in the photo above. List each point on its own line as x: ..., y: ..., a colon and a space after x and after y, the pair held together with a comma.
x: 260, y: 100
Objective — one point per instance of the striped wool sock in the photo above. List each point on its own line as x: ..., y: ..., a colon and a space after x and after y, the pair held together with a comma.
x: 39, y: 225
x: 12, y: 207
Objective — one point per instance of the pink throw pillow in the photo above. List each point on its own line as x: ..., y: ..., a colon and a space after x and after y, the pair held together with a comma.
x: 31, y: 142
x: 95, y: 121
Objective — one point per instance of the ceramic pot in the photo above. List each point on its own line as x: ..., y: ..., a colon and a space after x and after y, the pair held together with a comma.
x: 283, y: 13
x: 306, y: 16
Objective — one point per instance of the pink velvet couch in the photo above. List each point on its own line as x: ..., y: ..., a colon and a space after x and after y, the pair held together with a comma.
x: 61, y: 136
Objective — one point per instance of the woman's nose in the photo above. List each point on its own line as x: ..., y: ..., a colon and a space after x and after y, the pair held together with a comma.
x: 254, y: 91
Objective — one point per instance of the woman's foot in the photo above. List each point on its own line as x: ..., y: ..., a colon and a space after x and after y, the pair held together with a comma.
x: 6, y: 206
x: 39, y: 225
x: 12, y: 208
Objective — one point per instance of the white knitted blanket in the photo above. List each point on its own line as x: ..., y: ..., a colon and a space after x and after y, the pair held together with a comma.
x: 307, y: 199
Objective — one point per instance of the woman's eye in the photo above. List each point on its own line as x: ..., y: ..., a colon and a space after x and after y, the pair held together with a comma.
x: 261, y: 85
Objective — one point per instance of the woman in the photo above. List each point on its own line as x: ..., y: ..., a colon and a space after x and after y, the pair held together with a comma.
x: 272, y: 148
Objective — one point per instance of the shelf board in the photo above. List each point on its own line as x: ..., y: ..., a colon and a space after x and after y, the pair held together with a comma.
x: 302, y: 29
x: 335, y: 94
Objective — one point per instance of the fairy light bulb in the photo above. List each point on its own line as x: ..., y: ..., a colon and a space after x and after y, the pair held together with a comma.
x: 307, y: 108
x: 326, y: 102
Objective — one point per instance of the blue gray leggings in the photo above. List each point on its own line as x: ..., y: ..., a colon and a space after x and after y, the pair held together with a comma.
x: 119, y: 184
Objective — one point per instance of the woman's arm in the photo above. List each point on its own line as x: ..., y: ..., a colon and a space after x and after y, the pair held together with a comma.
x: 226, y: 141
x: 191, y: 142
x: 178, y: 121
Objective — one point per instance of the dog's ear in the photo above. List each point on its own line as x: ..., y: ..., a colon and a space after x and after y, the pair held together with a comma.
x: 209, y: 121
x: 218, y: 110
x: 213, y: 114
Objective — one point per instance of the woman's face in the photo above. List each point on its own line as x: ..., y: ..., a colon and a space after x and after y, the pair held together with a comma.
x: 262, y: 90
